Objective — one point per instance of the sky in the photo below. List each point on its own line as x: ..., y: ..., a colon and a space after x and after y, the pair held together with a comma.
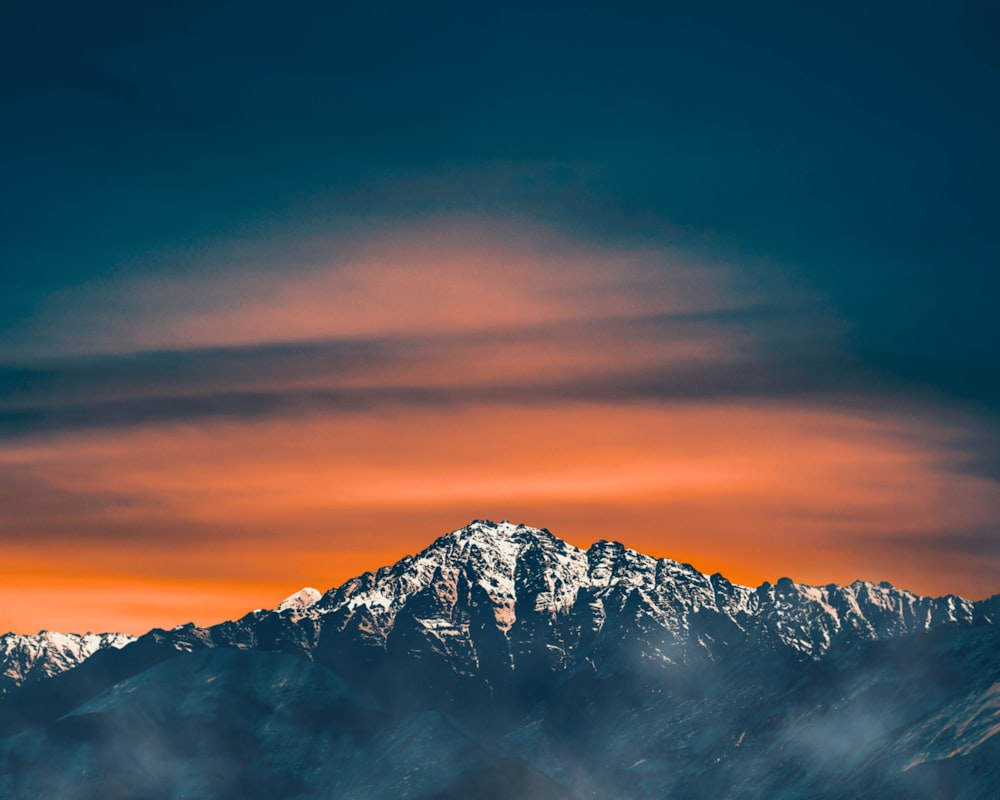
x: 290, y: 292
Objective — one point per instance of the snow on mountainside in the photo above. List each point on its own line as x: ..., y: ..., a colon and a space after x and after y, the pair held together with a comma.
x: 500, y: 657
x: 527, y: 576
x: 492, y: 598
x: 29, y: 658
x: 301, y: 600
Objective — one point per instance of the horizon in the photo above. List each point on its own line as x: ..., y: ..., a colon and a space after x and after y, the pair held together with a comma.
x: 287, y: 294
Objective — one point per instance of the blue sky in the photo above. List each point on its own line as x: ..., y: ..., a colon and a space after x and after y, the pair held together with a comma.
x: 805, y: 196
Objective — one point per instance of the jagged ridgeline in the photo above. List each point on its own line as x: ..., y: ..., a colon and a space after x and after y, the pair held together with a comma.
x: 503, y: 662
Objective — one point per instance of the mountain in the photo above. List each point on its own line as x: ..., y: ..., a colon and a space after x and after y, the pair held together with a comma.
x: 503, y: 662
x: 24, y: 659
x: 539, y: 590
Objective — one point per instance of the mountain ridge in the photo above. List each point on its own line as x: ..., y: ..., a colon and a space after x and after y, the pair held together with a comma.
x: 501, y: 653
x: 31, y: 657
x: 493, y: 553
x: 508, y: 564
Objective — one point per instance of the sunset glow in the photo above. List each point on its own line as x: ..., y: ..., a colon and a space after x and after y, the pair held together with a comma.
x: 564, y: 405
x: 289, y: 296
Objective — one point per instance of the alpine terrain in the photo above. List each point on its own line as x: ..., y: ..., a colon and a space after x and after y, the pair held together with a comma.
x: 42, y: 655
x: 502, y: 662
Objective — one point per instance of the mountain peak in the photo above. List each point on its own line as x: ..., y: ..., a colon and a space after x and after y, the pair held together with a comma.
x: 519, y: 572
x: 511, y: 541
x: 302, y: 599
x: 505, y: 531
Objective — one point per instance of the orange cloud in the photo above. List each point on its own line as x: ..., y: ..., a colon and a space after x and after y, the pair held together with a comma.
x: 224, y: 512
x: 435, y: 376
x: 449, y: 276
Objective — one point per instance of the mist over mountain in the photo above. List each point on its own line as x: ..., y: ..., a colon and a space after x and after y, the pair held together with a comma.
x: 503, y: 662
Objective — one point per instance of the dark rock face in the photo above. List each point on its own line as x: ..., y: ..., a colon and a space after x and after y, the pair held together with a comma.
x: 238, y: 724
x: 503, y: 662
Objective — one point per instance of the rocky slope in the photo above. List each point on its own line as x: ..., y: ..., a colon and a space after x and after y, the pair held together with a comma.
x: 503, y: 662
x: 539, y: 590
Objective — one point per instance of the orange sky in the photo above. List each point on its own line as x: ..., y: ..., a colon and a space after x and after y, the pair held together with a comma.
x: 207, y: 522
x: 501, y: 375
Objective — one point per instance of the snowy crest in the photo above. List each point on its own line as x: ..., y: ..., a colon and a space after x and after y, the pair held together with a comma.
x: 302, y: 599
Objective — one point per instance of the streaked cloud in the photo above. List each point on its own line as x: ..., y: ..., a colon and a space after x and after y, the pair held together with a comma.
x: 748, y: 490
x: 686, y: 278
x: 232, y: 430
x: 449, y: 276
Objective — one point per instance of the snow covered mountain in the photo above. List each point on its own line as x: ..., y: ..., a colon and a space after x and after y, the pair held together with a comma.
x: 503, y: 662
x: 31, y: 658
x: 542, y: 594
x: 498, y: 602
x: 497, y: 596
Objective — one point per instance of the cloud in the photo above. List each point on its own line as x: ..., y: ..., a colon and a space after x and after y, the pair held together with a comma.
x: 457, y: 312
x: 966, y: 555
x: 255, y: 427
x: 750, y: 489
x: 447, y: 276
x: 974, y: 544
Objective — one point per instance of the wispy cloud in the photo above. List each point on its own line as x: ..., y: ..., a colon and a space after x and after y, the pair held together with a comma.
x: 244, y: 426
x: 449, y: 276
x: 748, y: 489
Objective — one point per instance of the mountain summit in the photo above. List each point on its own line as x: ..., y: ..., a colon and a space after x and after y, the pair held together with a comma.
x: 534, y: 585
